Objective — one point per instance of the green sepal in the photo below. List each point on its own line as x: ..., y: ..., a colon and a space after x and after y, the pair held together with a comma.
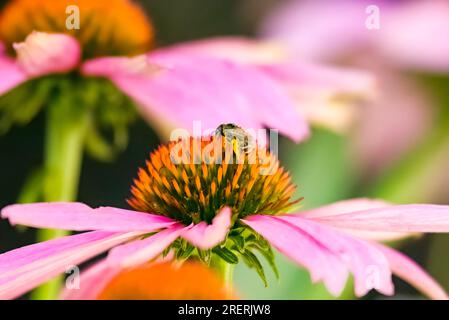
x: 226, y: 254
x: 21, y: 104
x: 205, y: 256
x: 253, y: 262
x: 185, y: 253
x: 239, y: 242
x: 269, y: 257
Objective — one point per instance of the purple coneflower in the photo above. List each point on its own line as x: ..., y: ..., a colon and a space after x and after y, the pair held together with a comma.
x: 220, y: 213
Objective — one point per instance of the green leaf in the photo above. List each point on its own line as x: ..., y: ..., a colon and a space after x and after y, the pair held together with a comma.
x: 269, y: 257
x: 239, y: 242
x: 253, y: 262
x: 226, y: 254
x: 205, y: 256
x: 185, y: 253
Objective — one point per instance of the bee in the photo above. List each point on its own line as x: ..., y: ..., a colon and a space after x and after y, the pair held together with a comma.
x: 238, y: 138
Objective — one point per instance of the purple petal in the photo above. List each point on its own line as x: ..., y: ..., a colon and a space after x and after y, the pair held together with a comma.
x: 206, y: 236
x: 368, y: 264
x: 353, y: 205
x: 192, y: 87
x: 315, y: 31
x: 11, y: 74
x: 141, y: 251
x: 408, y: 270
x: 415, y: 35
x: 236, y: 48
x: 303, y: 249
x: 400, y: 218
x: 25, y: 268
x: 80, y: 217
x: 44, y: 53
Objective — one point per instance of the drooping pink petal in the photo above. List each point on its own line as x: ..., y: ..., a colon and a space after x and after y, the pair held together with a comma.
x: 367, y: 263
x: 25, y: 268
x: 11, y: 74
x: 44, y: 53
x: 322, y: 264
x: 141, y: 251
x: 206, y: 236
x: 238, y: 49
x: 317, y: 91
x: 191, y: 87
x: 80, y: 217
x: 353, y: 205
x: 400, y: 218
x: 410, y: 271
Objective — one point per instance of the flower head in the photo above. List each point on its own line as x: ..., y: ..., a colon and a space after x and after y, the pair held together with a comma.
x: 106, y: 28
x: 200, y: 185
x: 206, y: 211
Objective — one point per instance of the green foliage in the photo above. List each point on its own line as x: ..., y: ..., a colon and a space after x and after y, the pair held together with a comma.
x: 110, y: 112
x: 241, y: 245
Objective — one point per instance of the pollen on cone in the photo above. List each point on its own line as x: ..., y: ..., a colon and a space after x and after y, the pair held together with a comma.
x: 195, y: 191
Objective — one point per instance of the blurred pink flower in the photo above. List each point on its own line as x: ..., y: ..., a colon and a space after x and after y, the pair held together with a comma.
x: 328, y: 241
x: 411, y: 37
x: 180, y: 84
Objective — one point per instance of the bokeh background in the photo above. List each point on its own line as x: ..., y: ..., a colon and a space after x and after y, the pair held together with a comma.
x: 362, y: 161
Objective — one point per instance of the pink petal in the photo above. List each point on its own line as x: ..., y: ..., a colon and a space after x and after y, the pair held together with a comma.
x: 206, y: 236
x: 80, y: 217
x: 415, y: 35
x: 141, y: 251
x: 25, y: 268
x: 408, y: 270
x: 238, y: 49
x: 352, y: 205
x: 369, y: 265
x: 317, y: 91
x: 322, y: 79
x: 11, y: 74
x: 303, y: 249
x: 191, y: 87
x: 400, y: 218
x: 313, y: 30
x: 344, y: 206
x: 44, y: 53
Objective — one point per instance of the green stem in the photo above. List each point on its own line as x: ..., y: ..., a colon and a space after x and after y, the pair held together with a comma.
x: 64, y: 143
x: 226, y: 272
